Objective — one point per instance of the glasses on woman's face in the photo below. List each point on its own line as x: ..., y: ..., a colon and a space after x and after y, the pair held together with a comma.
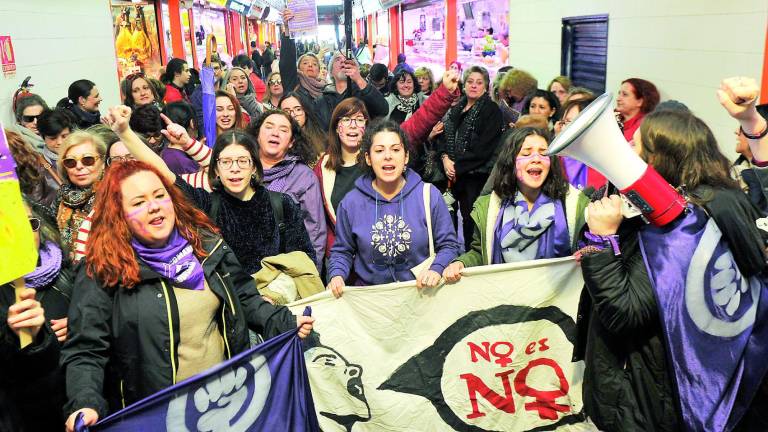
x: 35, y: 224
x: 118, y: 159
x: 243, y: 162
x: 349, y: 121
x: 86, y: 160
x: 275, y: 82
x: 30, y: 118
x: 295, y: 111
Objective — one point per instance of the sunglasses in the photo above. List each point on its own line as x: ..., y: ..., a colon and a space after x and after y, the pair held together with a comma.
x: 85, y: 160
x: 118, y: 159
x: 30, y: 118
x: 35, y: 223
x: 273, y: 82
x: 133, y: 76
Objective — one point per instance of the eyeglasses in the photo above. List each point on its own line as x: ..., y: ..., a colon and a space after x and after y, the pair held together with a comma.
x: 86, y: 160
x: 30, y: 118
x: 242, y: 162
x: 35, y: 223
x: 348, y: 121
x: 126, y: 158
x: 133, y: 76
x: 273, y: 82
x: 294, y: 111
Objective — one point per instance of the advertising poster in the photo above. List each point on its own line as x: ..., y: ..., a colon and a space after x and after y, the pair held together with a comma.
x: 483, y: 34
x: 7, y: 56
x: 304, y: 24
x: 136, y: 40
x: 424, y: 36
x: 210, y: 21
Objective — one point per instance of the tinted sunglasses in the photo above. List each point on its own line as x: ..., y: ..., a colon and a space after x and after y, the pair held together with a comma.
x: 35, y: 223
x: 85, y: 160
x: 30, y: 118
x: 273, y: 82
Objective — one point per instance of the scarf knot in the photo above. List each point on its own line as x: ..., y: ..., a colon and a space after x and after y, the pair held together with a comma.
x: 313, y: 86
x: 276, y: 178
x: 175, y: 261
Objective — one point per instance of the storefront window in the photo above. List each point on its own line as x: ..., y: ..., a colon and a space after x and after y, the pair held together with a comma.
x: 187, y: 35
x: 167, y: 30
x: 136, y: 39
x: 424, y: 36
x: 210, y: 21
x: 381, y: 52
x: 483, y: 34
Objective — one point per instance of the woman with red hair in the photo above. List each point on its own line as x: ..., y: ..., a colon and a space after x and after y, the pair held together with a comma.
x: 160, y: 298
x: 637, y: 97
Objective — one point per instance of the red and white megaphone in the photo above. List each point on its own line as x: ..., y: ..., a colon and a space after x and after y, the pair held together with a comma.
x: 595, y: 139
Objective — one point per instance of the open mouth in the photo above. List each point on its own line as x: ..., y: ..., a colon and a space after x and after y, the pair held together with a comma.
x: 353, y: 135
x: 157, y: 221
x: 388, y: 168
x: 273, y: 141
x: 225, y: 121
x: 236, y: 181
x: 534, y: 172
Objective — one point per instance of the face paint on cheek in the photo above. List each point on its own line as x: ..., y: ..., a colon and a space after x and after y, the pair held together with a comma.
x: 133, y: 216
x: 522, y: 161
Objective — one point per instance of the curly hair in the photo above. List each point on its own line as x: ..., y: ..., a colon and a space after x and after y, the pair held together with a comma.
x: 301, y: 147
x: 346, y: 108
x: 505, y: 181
x: 400, y: 75
x: 27, y: 161
x: 110, y: 258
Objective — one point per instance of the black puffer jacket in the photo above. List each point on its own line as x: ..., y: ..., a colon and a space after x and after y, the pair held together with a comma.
x: 126, y: 340
x: 627, y: 383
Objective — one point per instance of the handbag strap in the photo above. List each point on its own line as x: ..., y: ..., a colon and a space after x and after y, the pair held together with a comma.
x: 428, y: 214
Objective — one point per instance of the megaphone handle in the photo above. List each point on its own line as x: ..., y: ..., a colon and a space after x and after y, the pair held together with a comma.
x: 655, y: 197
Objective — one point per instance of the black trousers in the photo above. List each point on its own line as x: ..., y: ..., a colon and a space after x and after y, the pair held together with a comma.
x: 466, y: 190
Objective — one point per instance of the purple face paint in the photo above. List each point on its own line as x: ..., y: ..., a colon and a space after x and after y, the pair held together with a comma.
x: 522, y: 161
x: 133, y: 215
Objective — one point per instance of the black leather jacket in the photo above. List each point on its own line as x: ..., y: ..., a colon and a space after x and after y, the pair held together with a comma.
x: 125, y: 340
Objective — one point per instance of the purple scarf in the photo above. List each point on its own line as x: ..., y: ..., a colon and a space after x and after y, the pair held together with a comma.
x: 714, y: 320
x: 276, y: 178
x: 50, y: 265
x: 175, y: 261
x: 522, y: 235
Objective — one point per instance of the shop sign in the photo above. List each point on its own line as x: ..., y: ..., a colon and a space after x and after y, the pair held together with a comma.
x: 7, y: 56
x: 242, y: 7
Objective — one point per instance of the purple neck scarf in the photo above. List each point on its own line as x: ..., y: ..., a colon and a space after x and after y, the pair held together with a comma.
x: 50, y: 265
x: 275, y: 178
x: 175, y: 261
x: 522, y: 235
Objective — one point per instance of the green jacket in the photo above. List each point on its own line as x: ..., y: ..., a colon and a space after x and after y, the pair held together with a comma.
x: 486, y: 210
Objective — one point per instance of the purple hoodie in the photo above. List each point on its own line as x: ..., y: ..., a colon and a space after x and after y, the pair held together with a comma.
x: 382, y: 240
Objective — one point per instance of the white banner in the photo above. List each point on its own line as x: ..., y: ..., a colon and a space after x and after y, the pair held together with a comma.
x: 490, y: 353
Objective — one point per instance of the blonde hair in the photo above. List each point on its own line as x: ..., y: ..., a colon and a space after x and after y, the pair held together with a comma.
x: 74, y: 139
x: 426, y: 72
x: 268, y: 94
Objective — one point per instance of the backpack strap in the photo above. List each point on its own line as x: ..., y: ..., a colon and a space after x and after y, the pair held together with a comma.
x: 276, y: 201
x: 215, y: 205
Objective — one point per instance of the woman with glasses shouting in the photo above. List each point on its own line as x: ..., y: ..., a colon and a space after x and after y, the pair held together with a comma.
x: 302, y: 111
x: 81, y: 166
x: 338, y: 168
x: 238, y: 203
x: 387, y: 230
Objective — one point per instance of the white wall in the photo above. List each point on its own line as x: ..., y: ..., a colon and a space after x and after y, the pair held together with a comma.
x: 58, y: 42
x: 685, y: 47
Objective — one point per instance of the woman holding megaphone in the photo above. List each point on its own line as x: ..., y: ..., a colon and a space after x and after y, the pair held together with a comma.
x: 670, y: 307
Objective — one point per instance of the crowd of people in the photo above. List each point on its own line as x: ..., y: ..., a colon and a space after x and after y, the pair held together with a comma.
x: 150, y: 237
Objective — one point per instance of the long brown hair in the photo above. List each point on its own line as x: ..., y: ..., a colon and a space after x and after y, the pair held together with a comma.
x: 346, y: 108
x: 27, y: 161
x: 109, y: 255
x: 239, y: 120
x: 682, y: 148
